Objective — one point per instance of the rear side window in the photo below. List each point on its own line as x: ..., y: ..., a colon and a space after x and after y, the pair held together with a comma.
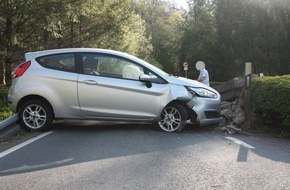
x: 61, y: 62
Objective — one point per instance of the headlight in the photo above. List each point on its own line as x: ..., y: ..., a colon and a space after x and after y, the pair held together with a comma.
x: 201, y: 92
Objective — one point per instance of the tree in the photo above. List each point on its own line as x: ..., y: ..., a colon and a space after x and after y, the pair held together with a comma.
x: 135, y: 41
x: 84, y: 23
x: 164, y: 28
x: 228, y: 33
x: 223, y: 33
x: 18, y: 23
x: 199, y: 39
x: 31, y: 25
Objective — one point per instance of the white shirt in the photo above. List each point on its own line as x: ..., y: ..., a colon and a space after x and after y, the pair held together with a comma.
x: 204, y: 74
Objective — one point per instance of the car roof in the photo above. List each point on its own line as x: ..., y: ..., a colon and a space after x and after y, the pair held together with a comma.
x: 31, y: 55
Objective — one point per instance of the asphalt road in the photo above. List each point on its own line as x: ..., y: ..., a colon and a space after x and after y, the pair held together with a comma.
x: 137, y: 157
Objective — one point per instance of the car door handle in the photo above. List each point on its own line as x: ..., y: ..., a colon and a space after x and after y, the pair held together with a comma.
x: 91, y: 82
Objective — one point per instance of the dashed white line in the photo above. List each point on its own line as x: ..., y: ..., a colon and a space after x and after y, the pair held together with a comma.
x: 13, y: 149
x: 240, y: 142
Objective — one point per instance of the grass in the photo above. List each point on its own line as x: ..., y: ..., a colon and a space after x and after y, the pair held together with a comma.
x: 5, y: 111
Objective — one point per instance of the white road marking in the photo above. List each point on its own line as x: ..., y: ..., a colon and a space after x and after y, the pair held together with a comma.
x: 240, y: 142
x: 13, y: 149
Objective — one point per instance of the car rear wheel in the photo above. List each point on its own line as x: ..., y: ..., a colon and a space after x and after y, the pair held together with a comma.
x: 35, y: 115
x: 173, y: 118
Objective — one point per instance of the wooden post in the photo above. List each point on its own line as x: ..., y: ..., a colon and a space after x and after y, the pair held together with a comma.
x: 185, y: 67
x: 248, y: 68
x: 247, y: 96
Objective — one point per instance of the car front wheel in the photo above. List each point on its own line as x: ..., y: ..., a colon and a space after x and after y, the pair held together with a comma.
x: 173, y: 118
x: 35, y: 115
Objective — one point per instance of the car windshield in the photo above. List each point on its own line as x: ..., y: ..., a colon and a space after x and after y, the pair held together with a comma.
x: 161, y: 71
x: 153, y: 67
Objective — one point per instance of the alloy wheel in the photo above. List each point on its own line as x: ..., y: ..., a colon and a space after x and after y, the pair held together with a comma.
x: 171, y: 119
x: 34, y: 116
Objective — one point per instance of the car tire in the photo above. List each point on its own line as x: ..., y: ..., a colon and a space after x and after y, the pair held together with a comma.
x: 35, y: 115
x: 173, y: 118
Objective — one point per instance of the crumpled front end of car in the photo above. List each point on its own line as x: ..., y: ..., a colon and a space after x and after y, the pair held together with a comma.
x: 206, y: 104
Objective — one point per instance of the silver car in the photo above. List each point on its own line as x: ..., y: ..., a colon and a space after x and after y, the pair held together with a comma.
x: 98, y: 84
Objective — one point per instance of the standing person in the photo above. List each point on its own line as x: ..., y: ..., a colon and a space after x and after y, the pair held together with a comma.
x: 203, y: 74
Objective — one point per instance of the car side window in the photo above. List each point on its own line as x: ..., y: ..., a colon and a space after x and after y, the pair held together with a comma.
x: 90, y: 64
x: 61, y: 62
x: 113, y: 66
x: 110, y: 66
x: 131, y: 71
x: 155, y: 78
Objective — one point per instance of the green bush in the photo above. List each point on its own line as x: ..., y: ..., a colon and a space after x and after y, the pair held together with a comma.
x: 5, y: 111
x: 271, y: 99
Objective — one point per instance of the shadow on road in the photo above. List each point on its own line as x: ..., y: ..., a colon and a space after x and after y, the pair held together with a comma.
x: 275, y: 149
x: 79, y: 142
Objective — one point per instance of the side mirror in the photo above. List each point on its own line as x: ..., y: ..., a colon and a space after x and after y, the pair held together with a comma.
x: 144, y: 78
x: 147, y: 79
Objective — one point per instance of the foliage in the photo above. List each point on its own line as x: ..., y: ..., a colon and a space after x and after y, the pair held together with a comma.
x: 135, y: 41
x: 227, y: 33
x: 270, y: 99
x: 198, y: 41
x: 5, y: 111
x: 31, y: 25
x: 223, y: 33
x: 163, y: 26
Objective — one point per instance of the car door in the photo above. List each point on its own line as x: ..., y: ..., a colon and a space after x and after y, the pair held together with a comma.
x: 111, y: 89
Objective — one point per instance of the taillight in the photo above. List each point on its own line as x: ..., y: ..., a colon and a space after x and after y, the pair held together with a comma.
x: 19, y: 71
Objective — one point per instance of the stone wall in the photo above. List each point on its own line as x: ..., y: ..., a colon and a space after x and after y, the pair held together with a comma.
x: 233, y: 114
x: 235, y: 106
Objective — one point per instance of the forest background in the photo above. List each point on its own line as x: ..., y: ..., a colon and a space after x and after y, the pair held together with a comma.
x: 223, y: 33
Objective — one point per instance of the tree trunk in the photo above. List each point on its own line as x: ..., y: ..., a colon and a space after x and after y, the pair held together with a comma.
x: 7, y: 70
x: 2, y: 72
x: 71, y: 33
